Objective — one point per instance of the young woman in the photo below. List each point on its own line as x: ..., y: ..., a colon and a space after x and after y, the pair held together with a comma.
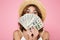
x: 33, y: 33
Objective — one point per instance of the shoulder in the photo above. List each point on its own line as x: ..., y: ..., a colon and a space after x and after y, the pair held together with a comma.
x: 45, y: 35
x: 17, y: 34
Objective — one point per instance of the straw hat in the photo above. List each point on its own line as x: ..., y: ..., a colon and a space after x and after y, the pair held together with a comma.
x: 35, y: 2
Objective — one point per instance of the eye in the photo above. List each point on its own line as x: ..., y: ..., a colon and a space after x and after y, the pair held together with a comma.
x: 35, y: 12
x: 27, y: 11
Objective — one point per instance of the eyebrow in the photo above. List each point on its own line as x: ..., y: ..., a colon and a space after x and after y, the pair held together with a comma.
x: 29, y: 10
x: 35, y: 10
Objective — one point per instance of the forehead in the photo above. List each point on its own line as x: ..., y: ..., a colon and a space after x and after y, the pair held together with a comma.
x: 31, y: 8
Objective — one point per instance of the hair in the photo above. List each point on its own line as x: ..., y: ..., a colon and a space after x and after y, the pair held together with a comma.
x: 24, y: 11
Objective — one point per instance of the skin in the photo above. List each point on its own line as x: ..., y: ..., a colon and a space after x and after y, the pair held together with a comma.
x: 17, y: 35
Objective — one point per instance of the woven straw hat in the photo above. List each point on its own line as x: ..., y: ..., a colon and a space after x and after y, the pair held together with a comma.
x: 35, y: 2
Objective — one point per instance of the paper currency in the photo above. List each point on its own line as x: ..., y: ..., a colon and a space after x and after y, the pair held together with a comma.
x: 29, y: 20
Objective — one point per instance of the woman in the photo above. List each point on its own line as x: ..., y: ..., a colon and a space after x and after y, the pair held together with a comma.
x: 31, y: 7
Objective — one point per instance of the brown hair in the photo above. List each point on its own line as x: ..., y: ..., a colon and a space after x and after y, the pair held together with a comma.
x: 24, y: 11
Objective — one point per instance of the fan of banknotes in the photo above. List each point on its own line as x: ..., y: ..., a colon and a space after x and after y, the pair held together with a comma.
x: 31, y: 20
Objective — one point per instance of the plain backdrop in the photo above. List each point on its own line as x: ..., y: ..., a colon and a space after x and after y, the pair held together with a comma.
x: 9, y: 18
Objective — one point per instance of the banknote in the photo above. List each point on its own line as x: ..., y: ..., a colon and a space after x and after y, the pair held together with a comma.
x: 31, y: 20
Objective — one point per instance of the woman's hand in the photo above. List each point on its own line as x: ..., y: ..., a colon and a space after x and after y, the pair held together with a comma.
x: 29, y: 34
x: 35, y: 33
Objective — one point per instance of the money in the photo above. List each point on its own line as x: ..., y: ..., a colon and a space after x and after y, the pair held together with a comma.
x: 29, y: 20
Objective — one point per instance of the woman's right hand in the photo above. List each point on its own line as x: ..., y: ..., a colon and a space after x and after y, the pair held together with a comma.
x: 29, y: 34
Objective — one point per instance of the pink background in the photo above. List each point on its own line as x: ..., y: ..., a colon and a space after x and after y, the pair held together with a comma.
x: 9, y: 18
